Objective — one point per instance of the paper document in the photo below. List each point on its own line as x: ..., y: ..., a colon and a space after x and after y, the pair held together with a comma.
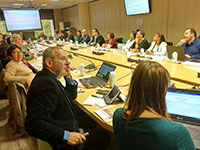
x: 106, y: 113
x: 100, y: 102
x: 91, y: 100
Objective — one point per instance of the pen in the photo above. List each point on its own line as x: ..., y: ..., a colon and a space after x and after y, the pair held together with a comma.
x: 86, y: 133
x: 96, y: 96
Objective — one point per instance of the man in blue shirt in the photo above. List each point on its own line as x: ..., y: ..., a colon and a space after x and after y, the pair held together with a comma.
x: 191, y: 44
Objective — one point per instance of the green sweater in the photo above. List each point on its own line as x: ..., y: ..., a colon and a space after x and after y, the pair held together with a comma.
x: 150, y: 134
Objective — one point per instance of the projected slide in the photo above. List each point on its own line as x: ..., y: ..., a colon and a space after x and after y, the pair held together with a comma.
x: 22, y: 20
x: 134, y: 7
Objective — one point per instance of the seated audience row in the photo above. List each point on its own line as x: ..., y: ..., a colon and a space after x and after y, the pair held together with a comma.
x: 137, y: 41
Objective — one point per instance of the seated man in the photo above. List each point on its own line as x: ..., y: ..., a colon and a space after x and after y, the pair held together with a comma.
x: 62, y: 35
x: 86, y: 37
x: 97, y: 38
x: 70, y: 36
x: 191, y: 44
x: 42, y: 36
x: 51, y: 114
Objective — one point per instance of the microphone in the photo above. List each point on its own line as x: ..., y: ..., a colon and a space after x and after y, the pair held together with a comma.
x: 134, y: 60
x: 90, y: 66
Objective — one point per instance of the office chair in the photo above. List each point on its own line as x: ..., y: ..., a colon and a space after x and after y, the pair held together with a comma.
x: 17, y: 98
x: 169, y: 43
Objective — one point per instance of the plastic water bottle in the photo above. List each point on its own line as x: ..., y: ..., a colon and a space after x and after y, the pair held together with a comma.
x: 174, y: 57
x: 142, y: 51
x: 112, y: 77
x: 82, y: 69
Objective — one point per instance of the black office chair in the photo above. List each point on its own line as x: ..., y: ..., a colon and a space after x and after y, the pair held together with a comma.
x: 1, y: 65
x: 169, y: 43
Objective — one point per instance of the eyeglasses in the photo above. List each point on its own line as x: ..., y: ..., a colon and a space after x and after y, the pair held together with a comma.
x: 17, y: 53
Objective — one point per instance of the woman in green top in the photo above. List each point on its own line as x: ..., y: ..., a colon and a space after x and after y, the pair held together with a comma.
x: 78, y: 36
x: 143, y: 123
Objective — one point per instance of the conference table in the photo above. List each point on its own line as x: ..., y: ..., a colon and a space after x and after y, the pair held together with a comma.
x: 178, y: 72
x: 183, y: 77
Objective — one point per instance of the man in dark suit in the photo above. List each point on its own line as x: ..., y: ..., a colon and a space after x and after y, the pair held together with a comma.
x: 97, y: 38
x: 86, y: 37
x: 70, y: 36
x: 51, y: 115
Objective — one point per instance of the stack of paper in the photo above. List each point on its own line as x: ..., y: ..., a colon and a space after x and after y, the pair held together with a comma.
x: 106, y: 113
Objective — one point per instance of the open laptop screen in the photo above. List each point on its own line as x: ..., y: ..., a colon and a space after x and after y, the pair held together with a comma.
x: 184, y: 105
x: 104, y: 70
x: 178, y: 49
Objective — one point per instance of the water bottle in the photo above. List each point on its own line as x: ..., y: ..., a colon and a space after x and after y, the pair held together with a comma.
x: 82, y: 69
x: 112, y: 77
x: 142, y: 51
x: 174, y: 57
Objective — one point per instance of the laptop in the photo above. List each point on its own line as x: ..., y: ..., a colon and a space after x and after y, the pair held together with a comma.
x: 178, y: 49
x: 101, y: 77
x: 183, y: 105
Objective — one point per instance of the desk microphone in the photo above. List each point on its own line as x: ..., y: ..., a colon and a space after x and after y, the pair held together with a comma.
x: 134, y: 60
x: 90, y: 66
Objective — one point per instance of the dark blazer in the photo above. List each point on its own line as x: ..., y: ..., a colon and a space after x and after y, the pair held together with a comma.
x: 50, y: 109
x: 99, y: 39
x: 86, y: 39
x: 144, y: 44
x: 71, y: 37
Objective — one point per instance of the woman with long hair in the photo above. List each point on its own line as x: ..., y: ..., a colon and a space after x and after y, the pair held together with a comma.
x: 143, y: 123
x: 158, y: 46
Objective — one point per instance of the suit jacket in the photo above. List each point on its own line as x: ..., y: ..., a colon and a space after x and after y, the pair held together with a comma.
x: 86, y: 39
x: 50, y: 109
x: 100, y: 40
x: 144, y: 44
x: 71, y: 37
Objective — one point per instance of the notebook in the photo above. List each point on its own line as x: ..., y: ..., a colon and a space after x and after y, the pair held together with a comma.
x: 101, y: 77
x: 183, y: 105
x: 179, y: 50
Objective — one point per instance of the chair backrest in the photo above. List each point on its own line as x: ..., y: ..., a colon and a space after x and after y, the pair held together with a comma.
x: 120, y: 45
x: 2, y: 83
x: 1, y: 65
x: 169, y: 43
x: 17, y: 97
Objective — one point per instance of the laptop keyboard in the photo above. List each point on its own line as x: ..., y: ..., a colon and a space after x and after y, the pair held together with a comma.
x: 91, y: 82
x: 195, y: 132
x: 195, y: 60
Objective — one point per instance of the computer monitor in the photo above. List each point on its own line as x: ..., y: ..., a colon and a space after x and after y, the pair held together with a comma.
x: 135, y: 7
x: 184, y: 105
x: 22, y: 19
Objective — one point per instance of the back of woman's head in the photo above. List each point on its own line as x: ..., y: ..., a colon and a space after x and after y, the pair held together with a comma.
x: 148, y: 89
